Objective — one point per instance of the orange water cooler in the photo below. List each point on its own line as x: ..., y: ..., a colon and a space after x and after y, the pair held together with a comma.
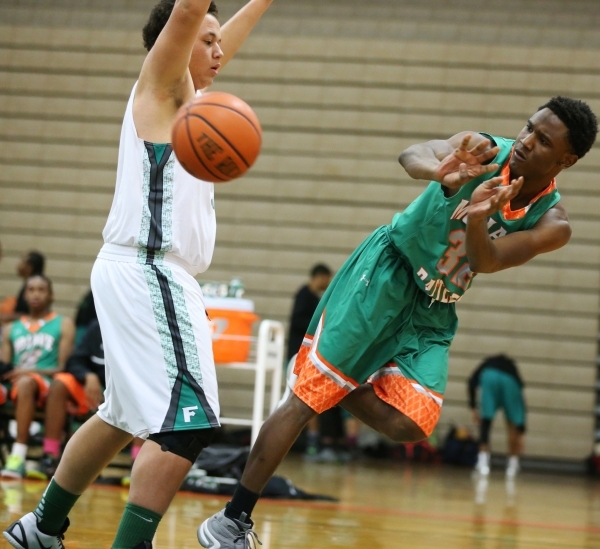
x: 231, y: 322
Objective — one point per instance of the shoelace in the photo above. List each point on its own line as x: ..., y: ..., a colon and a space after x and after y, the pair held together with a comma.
x: 247, y: 536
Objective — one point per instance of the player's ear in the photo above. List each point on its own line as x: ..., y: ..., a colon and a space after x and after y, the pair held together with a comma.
x: 568, y: 160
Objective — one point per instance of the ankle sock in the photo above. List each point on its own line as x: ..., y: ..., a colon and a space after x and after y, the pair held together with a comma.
x: 138, y: 525
x: 243, y: 501
x: 52, y: 447
x: 53, y: 508
x: 20, y: 450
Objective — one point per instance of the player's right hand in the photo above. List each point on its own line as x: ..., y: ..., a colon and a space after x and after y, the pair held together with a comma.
x: 464, y: 164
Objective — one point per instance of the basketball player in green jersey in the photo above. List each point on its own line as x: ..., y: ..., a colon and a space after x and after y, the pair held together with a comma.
x: 378, y: 342
x: 37, y: 346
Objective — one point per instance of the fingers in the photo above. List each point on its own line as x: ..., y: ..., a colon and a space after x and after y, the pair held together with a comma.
x: 481, y: 148
x: 465, y: 142
x: 485, y: 155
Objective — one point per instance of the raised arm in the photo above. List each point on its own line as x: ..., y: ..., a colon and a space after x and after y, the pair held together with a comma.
x: 237, y: 29
x: 452, y: 162
x: 165, y: 82
x: 165, y: 69
x: 485, y: 255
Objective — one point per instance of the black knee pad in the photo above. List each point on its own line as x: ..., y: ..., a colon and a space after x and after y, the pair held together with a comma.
x: 187, y: 444
x: 486, y: 425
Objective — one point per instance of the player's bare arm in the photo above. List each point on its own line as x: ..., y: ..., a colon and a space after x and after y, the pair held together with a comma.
x: 451, y: 162
x: 238, y: 28
x: 485, y: 255
x: 67, y: 341
x: 165, y: 82
x: 6, y: 346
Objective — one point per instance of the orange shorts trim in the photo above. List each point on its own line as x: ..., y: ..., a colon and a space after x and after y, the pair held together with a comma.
x: 43, y: 386
x: 400, y: 393
x: 313, y: 387
x: 79, y: 405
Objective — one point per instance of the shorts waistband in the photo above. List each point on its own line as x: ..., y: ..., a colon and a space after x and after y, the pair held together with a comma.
x: 131, y: 254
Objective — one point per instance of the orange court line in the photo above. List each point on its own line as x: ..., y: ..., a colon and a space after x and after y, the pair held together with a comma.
x: 379, y: 511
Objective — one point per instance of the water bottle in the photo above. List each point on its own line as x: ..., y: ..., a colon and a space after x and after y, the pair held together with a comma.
x: 236, y: 288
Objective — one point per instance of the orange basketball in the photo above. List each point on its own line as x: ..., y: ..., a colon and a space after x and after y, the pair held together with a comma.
x: 216, y: 137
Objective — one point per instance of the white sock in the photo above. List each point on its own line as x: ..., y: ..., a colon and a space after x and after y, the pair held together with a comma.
x: 483, y: 459
x: 513, y: 462
x: 20, y: 450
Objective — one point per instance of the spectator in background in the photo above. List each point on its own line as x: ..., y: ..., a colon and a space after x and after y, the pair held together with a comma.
x: 76, y: 391
x: 85, y: 315
x: 500, y: 386
x: 37, y: 347
x: 305, y: 303
x: 327, y: 429
x: 31, y: 264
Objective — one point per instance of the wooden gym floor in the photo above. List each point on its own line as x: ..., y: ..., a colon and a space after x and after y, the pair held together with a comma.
x: 382, y: 505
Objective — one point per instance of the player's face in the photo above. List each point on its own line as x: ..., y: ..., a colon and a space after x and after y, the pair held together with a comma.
x: 37, y: 294
x: 206, y: 55
x: 542, y: 147
x: 24, y: 268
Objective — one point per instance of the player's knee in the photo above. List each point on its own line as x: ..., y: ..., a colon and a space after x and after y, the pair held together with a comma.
x: 298, y: 410
x: 26, y: 386
x: 58, y: 388
x: 404, y: 429
x: 186, y: 444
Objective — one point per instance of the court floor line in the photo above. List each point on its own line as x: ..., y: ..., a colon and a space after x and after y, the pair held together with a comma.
x: 388, y: 512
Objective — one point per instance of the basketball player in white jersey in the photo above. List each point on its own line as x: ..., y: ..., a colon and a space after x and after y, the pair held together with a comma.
x: 160, y: 233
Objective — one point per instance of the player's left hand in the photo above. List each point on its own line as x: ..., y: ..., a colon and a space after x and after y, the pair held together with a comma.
x: 93, y: 391
x: 490, y: 197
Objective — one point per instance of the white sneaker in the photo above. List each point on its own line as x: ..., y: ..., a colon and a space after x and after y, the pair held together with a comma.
x: 482, y: 470
x: 512, y: 468
x: 25, y: 534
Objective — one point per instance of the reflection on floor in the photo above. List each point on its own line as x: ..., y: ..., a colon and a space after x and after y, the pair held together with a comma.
x: 382, y: 506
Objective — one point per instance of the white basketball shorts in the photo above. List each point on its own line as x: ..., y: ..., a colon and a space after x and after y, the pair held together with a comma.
x: 160, y: 372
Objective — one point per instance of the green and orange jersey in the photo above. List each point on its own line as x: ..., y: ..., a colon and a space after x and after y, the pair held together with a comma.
x: 35, y: 344
x: 431, y: 232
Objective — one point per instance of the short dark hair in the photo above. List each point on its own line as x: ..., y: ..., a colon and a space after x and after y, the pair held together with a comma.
x: 579, y: 120
x: 320, y: 269
x: 37, y: 261
x: 158, y: 19
x: 45, y: 279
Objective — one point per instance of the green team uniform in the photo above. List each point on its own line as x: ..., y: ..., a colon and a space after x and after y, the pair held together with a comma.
x: 391, y: 306
x: 501, y: 390
x: 36, y: 349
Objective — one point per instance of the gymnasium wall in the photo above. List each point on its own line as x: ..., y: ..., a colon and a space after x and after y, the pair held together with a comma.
x: 341, y: 88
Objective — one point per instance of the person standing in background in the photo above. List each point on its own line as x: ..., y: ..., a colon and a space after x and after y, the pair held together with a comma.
x: 500, y: 386
x: 306, y: 301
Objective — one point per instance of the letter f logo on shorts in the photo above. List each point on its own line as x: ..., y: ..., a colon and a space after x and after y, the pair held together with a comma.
x: 188, y: 413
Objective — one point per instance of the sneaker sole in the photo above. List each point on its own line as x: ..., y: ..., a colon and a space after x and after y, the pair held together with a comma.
x: 206, y: 539
x: 38, y: 475
x: 12, y: 540
x: 11, y: 474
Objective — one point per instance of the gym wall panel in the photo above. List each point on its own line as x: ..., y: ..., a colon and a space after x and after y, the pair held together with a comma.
x: 341, y: 91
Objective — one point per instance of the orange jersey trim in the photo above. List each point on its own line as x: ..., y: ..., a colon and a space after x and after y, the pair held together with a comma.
x: 34, y: 326
x: 507, y: 212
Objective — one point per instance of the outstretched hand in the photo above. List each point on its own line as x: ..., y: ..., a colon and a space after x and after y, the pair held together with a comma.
x: 490, y: 197
x: 464, y: 164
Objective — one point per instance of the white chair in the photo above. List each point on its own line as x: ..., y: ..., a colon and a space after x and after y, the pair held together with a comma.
x: 269, y: 359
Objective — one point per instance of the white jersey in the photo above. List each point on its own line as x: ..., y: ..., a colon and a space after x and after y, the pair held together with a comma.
x: 159, y: 210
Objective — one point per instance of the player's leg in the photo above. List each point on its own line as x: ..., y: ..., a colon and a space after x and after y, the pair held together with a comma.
x: 355, y: 327
x: 25, y: 393
x: 366, y: 406
x: 66, y: 395
x: 514, y: 410
x: 159, y: 469
x: 489, y: 400
x: 88, y: 452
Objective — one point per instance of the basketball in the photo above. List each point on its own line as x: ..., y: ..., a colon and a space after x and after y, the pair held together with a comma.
x: 216, y: 137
